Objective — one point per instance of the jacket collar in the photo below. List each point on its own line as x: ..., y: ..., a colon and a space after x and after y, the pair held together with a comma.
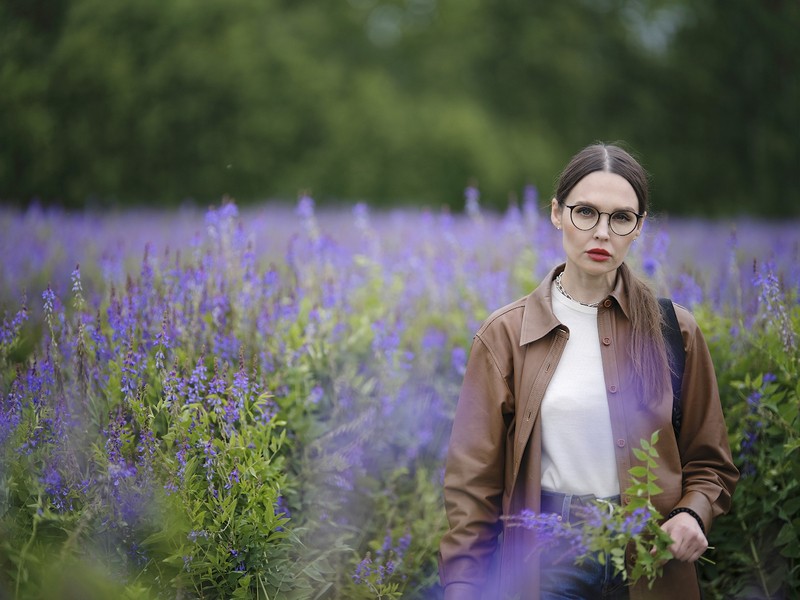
x: 538, y: 318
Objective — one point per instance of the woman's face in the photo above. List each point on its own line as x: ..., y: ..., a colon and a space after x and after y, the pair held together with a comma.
x: 598, y: 251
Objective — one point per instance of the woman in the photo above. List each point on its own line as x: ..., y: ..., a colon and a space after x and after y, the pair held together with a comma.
x: 559, y: 389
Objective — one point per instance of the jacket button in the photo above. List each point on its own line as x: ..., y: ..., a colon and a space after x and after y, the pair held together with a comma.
x: 621, y: 443
x: 612, y: 389
x: 607, y: 303
x: 606, y: 341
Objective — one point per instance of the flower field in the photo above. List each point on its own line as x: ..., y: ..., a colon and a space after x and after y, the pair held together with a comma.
x: 256, y: 403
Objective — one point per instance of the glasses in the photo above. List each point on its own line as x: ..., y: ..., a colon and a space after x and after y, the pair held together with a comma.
x: 621, y: 222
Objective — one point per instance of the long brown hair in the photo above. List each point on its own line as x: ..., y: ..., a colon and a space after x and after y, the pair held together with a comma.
x: 648, y: 351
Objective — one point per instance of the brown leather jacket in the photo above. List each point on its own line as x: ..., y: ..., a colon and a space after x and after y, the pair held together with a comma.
x: 494, y: 458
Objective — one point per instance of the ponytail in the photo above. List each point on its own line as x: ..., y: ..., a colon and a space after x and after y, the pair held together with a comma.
x: 648, y: 350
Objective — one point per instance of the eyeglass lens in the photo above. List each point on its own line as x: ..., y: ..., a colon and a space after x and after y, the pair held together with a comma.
x: 621, y: 222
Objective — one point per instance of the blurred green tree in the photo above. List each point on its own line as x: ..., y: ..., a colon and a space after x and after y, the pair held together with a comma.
x: 395, y: 100
x: 727, y: 135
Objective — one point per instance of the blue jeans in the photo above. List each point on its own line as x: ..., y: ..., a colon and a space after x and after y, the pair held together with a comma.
x: 562, y: 579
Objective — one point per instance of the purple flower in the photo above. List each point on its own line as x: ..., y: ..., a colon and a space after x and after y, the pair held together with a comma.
x: 386, y: 340
x: 146, y: 450
x: 772, y: 299
x: 636, y: 522
x: 472, y: 201
x: 197, y: 381
x: 77, y: 287
x: 748, y: 449
x: 549, y: 529
x: 233, y: 477
x: 688, y: 291
x: 56, y: 488
x: 194, y: 535
x: 229, y: 211
x: 281, y: 511
x: 137, y: 554
x: 130, y: 374
x: 650, y: 266
x: 458, y: 360
x: 10, y: 330
x: 50, y: 301
x: 305, y: 207
x: 363, y: 569
x: 162, y: 342
x: 530, y: 203
x: 433, y: 340
x: 361, y: 214
x: 317, y: 394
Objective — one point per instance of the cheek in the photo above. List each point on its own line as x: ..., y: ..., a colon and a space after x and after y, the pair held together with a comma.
x: 625, y: 245
x: 573, y: 240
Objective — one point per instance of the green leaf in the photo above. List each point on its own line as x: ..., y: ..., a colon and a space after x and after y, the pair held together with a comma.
x: 654, y: 437
x: 787, y: 535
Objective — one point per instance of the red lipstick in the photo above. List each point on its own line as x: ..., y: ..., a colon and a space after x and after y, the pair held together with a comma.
x: 598, y: 254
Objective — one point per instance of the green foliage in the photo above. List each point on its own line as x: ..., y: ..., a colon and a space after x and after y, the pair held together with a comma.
x: 406, y: 525
x: 758, y: 543
x: 401, y: 102
x: 649, y: 548
x: 624, y: 534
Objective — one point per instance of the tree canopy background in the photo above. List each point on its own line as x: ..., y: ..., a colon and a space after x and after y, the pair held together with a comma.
x: 396, y: 101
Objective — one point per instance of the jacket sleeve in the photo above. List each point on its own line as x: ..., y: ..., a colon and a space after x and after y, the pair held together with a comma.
x: 709, y: 475
x: 474, y: 476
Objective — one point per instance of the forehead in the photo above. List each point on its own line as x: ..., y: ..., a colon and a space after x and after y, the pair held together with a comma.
x: 605, y: 191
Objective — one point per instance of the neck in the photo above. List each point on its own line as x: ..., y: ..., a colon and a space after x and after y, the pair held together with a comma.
x: 587, y: 290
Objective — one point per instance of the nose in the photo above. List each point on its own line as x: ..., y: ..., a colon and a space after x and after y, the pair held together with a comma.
x: 601, y: 229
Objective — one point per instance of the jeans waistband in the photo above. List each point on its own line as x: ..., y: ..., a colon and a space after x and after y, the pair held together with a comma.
x: 568, y: 506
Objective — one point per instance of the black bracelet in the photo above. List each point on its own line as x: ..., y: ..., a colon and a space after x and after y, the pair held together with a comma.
x: 683, y: 509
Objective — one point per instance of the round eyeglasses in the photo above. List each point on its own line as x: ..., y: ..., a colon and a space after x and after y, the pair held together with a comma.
x: 621, y: 222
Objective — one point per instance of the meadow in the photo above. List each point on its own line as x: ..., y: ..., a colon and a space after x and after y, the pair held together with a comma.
x: 256, y: 402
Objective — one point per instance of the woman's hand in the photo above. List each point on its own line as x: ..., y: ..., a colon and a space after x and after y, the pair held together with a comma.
x: 689, y: 541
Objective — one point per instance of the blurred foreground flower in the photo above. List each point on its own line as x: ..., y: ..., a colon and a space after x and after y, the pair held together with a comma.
x: 607, y: 529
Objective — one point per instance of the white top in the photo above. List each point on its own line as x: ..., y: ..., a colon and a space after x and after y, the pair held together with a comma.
x: 577, y: 443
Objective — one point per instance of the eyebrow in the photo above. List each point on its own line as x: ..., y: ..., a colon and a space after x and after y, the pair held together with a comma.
x: 594, y: 206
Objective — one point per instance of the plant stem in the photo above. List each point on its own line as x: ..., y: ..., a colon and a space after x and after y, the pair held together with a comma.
x: 757, y: 561
x: 25, y: 548
x: 76, y: 532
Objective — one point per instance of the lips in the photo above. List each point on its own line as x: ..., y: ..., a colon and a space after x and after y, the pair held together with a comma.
x: 598, y: 254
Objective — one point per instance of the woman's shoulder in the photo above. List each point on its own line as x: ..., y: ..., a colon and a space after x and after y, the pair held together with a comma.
x: 505, y: 319
x: 688, y: 324
x: 685, y: 316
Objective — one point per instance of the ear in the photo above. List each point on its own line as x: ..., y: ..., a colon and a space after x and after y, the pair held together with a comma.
x: 641, y: 224
x: 555, y: 213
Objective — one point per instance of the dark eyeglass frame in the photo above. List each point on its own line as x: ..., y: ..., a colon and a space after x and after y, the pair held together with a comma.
x: 610, y: 218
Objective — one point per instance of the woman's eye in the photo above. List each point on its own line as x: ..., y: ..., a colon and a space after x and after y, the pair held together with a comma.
x: 585, y: 211
x: 622, y: 217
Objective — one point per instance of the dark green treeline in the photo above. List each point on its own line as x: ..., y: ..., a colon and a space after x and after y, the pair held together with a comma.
x: 404, y: 101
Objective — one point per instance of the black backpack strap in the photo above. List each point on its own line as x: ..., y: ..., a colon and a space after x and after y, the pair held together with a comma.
x: 677, y: 358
